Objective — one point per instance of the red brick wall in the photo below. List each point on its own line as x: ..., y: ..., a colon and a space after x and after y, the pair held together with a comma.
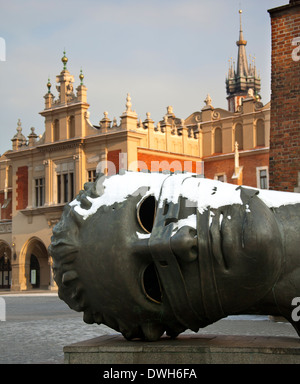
x: 113, y: 156
x: 218, y: 166
x: 6, y: 212
x: 249, y: 164
x: 170, y: 163
x: 285, y: 100
x: 22, y: 187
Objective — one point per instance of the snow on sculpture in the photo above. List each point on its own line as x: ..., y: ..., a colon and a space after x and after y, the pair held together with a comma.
x: 149, y: 253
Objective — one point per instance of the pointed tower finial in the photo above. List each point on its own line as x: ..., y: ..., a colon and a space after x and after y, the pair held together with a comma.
x: 49, y: 85
x: 242, y: 64
x: 19, y: 127
x: 208, y: 101
x: 241, y: 40
x: 241, y: 27
x: 128, y: 103
x: 19, y: 139
x: 81, y: 77
x: 64, y: 59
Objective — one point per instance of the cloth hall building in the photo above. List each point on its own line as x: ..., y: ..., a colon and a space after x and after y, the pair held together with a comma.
x: 39, y: 175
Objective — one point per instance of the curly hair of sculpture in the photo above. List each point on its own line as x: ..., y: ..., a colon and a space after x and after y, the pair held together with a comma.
x: 149, y: 253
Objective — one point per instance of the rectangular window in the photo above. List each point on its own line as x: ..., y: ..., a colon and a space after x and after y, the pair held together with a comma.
x: 39, y: 192
x: 71, y: 192
x: 92, y: 176
x: 263, y: 179
x: 221, y: 177
x: 262, y: 175
x: 59, y: 188
x: 65, y: 187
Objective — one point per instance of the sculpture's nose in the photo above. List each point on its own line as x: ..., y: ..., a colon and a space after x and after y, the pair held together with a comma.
x: 184, y: 244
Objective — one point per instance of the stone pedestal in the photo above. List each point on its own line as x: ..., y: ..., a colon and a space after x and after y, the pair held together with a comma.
x: 186, y: 349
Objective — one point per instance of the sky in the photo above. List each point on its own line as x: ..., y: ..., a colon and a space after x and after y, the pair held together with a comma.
x: 162, y: 52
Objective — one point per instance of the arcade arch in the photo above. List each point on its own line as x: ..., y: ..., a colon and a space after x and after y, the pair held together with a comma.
x: 37, y: 268
x: 5, y: 265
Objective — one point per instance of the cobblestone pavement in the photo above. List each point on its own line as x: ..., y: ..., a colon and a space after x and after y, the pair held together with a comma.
x: 37, y: 327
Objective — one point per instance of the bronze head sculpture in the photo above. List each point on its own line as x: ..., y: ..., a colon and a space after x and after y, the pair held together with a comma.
x: 149, y: 253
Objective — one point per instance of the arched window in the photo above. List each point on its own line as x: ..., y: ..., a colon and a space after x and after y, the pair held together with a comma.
x: 260, y: 133
x: 218, y: 140
x: 239, y: 135
x: 56, y: 130
x: 71, y: 127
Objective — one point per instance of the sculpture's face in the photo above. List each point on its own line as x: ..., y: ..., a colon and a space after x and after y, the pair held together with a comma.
x: 149, y: 253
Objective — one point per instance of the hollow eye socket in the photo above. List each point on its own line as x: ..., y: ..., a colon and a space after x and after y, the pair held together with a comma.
x: 151, y: 284
x: 146, y: 213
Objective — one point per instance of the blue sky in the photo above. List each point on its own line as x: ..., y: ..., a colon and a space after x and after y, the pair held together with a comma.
x: 166, y: 52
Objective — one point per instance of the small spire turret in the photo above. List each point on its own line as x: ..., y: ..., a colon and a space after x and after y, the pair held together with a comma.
x: 19, y: 139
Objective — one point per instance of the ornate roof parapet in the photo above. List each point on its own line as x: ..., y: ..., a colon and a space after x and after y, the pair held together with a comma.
x: 207, y: 110
x: 65, y: 88
x: 140, y: 124
x: 148, y: 122
x: 32, y: 138
x: 170, y: 112
x: 157, y: 128
x: 105, y: 123
x: 81, y: 89
x: 208, y: 104
x: 129, y: 118
x: 129, y: 111
x: 169, y: 121
x: 19, y: 139
x: 49, y: 97
x: 165, y: 124
x: 87, y: 120
x: 115, y: 123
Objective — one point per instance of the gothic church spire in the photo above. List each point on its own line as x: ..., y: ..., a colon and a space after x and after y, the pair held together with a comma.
x: 242, y: 64
x: 242, y: 78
